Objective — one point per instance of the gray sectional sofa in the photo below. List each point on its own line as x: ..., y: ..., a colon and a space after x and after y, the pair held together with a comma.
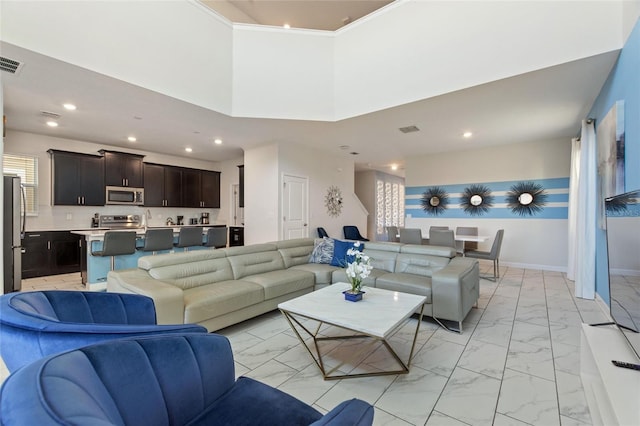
x: 219, y: 288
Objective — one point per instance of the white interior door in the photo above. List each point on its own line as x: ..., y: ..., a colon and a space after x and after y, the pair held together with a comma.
x: 295, y: 210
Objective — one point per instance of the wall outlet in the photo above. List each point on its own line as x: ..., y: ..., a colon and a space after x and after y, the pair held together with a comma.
x: 69, y: 216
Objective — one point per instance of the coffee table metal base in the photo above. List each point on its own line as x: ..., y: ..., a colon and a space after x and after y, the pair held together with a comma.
x: 297, y: 327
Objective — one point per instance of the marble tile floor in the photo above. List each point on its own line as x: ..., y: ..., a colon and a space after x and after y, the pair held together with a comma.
x: 516, y: 362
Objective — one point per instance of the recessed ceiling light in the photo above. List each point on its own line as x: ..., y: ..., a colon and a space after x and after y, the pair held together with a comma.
x: 287, y: 26
x: 467, y: 134
x: 394, y: 167
x: 188, y: 149
x: 132, y: 139
x: 70, y: 107
x: 52, y: 123
x: 218, y: 141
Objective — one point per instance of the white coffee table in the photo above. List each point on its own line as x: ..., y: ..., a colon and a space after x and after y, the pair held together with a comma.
x: 378, y: 316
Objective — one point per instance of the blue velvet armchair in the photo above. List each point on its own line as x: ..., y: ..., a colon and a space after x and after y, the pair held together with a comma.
x: 159, y: 380
x: 41, y: 323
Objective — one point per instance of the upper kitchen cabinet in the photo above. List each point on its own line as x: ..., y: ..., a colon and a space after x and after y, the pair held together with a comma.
x: 122, y: 169
x: 162, y: 185
x: 200, y: 188
x: 78, y: 179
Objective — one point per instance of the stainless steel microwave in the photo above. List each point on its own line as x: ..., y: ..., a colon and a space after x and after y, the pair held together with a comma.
x: 124, y: 195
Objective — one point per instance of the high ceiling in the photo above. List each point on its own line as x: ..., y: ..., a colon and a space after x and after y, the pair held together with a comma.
x: 326, y: 15
x: 537, y: 106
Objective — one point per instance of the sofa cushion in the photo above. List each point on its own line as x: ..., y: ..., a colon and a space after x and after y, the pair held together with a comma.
x: 279, y: 283
x: 322, y: 251
x: 167, y: 259
x: 295, y: 255
x: 251, y: 403
x: 406, y: 283
x: 382, y: 259
x: 419, y: 264
x: 244, y: 265
x: 210, y: 301
x: 194, y: 274
x: 340, y: 276
x: 321, y: 271
x: 340, y: 249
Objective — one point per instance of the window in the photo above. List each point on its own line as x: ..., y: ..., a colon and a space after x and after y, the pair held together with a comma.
x: 27, y: 168
x: 390, y: 205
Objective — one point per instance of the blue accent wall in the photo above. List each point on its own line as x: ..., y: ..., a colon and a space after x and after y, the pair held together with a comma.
x: 622, y: 84
x: 556, y: 204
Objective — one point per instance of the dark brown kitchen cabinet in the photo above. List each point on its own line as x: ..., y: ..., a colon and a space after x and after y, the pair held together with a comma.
x: 200, y: 188
x: 210, y: 189
x: 50, y: 253
x: 78, y: 179
x: 123, y: 169
x: 162, y: 185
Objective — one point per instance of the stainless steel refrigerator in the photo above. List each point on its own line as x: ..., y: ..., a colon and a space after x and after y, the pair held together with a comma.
x: 13, y: 232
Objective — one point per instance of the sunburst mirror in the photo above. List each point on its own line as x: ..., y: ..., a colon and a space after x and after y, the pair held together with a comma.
x: 434, y: 200
x: 333, y: 201
x: 476, y: 200
x: 526, y: 198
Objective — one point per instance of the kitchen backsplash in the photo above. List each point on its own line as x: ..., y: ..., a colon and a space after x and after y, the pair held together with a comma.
x: 79, y: 217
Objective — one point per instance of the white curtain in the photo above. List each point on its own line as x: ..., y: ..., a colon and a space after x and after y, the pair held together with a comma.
x: 573, y: 210
x: 583, y: 206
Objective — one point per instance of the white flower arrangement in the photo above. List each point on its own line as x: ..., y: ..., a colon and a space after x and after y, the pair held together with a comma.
x: 359, y: 268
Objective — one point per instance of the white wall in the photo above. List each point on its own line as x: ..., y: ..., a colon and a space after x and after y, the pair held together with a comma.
x: 324, y: 170
x: 282, y: 74
x: 261, y: 194
x: 408, y: 51
x: 178, y: 48
x: 264, y: 167
x: 532, y: 243
x: 415, y: 50
x: 57, y: 217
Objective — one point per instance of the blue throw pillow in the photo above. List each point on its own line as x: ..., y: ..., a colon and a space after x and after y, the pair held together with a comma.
x: 340, y: 249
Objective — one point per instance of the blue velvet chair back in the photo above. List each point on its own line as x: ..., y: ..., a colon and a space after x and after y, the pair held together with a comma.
x: 352, y: 233
x: 37, y: 324
x: 159, y: 380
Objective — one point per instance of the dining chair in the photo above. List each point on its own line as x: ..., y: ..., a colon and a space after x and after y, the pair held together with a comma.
x: 352, y: 233
x: 463, y: 246
x: 411, y: 236
x: 493, y: 255
x: 442, y: 238
x: 322, y: 233
x: 392, y: 234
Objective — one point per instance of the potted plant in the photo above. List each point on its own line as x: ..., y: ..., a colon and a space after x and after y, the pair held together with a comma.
x: 357, y: 270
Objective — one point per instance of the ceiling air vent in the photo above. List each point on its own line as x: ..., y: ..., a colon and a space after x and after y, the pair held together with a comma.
x: 50, y: 114
x: 9, y: 65
x: 409, y: 129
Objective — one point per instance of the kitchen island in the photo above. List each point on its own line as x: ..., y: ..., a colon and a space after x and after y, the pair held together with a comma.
x: 94, y: 269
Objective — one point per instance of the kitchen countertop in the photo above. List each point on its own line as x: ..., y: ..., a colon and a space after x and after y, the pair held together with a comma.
x: 98, y: 233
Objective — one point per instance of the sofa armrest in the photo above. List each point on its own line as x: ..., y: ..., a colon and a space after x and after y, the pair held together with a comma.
x: 455, y: 289
x: 352, y: 412
x: 168, y: 299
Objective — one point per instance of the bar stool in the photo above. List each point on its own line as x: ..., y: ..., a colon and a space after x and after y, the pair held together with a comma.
x: 216, y: 237
x: 190, y: 236
x: 156, y: 240
x: 117, y: 243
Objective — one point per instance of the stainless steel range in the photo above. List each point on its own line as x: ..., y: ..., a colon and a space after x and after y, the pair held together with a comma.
x: 121, y: 221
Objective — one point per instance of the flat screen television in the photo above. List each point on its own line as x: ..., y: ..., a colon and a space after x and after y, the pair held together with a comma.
x: 623, y: 247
